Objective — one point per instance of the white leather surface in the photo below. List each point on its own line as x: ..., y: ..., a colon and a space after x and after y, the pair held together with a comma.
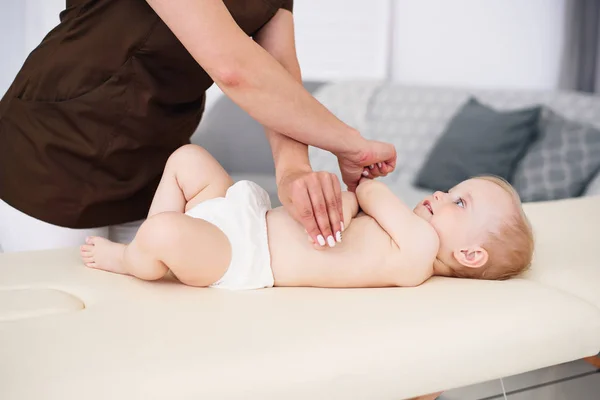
x: 142, y: 340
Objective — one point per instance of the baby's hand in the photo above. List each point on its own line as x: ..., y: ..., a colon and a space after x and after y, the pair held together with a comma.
x: 363, y: 179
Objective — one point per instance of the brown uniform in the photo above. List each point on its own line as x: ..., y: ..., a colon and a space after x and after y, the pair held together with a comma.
x: 98, y: 107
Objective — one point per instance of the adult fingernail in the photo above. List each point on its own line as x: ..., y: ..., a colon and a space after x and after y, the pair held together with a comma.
x: 365, y: 173
x: 379, y: 164
x: 330, y: 241
x: 338, y: 236
x: 342, y: 225
x: 321, y: 240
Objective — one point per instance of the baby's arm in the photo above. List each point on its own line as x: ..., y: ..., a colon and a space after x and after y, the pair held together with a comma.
x: 350, y: 207
x: 415, y: 238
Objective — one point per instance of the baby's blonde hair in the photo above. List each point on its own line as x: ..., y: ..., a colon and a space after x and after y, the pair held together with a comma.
x: 510, y: 247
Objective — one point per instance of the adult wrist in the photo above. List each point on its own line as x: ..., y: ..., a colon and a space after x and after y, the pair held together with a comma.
x: 290, y: 169
x: 351, y: 142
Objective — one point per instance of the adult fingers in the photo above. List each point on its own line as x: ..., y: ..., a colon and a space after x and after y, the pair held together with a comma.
x: 351, y: 186
x: 351, y: 176
x: 377, y: 170
x: 383, y: 169
x: 333, y: 200
x: 389, y: 166
x: 304, y: 210
x: 338, y: 191
x: 372, y: 171
x: 320, y: 211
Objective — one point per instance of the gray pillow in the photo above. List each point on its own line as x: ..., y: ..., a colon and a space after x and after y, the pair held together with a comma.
x: 561, y: 163
x: 479, y: 140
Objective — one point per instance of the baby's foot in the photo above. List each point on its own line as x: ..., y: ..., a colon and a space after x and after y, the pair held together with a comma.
x: 103, y: 254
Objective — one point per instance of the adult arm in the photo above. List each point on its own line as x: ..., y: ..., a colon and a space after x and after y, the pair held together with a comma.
x: 262, y: 86
x: 314, y: 199
x: 252, y: 78
x: 277, y: 38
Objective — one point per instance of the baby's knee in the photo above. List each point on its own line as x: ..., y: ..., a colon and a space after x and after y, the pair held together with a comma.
x: 159, y: 232
x: 187, y: 155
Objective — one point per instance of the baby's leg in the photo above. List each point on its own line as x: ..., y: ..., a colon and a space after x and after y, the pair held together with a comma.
x: 191, y: 176
x: 196, y: 251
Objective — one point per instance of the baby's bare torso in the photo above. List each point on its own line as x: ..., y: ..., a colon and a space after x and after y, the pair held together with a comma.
x: 366, y: 257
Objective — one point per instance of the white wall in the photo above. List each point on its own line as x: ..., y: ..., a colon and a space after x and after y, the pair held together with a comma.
x: 23, y: 24
x: 42, y: 16
x: 343, y: 39
x: 340, y: 39
x: 491, y: 43
x: 12, y: 41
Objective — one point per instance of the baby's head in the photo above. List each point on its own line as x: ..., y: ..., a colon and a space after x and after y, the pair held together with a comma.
x: 483, y: 231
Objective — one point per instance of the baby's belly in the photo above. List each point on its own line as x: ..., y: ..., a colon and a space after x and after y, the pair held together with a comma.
x: 362, y: 259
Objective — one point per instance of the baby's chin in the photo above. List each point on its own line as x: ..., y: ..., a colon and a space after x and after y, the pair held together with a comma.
x: 422, y: 212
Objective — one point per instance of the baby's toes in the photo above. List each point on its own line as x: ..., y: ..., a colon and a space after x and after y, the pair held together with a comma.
x: 88, y: 260
x: 86, y: 254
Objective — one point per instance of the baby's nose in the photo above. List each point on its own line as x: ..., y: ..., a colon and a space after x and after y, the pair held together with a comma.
x: 438, y: 196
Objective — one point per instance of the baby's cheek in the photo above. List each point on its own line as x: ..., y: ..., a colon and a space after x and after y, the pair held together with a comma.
x: 446, y: 226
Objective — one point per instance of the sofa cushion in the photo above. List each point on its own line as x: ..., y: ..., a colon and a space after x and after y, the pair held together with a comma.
x: 561, y: 162
x: 479, y: 140
x: 593, y: 189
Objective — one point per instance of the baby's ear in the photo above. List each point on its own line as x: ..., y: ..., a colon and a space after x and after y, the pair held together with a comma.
x: 471, y: 257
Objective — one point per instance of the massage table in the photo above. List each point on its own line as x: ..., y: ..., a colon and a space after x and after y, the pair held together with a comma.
x: 69, y: 332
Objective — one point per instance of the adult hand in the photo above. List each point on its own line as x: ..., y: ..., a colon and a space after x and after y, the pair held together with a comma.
x: 314, y: 199
x: 373, y: 159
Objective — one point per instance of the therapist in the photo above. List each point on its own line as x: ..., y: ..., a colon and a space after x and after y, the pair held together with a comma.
x: 98, y: 107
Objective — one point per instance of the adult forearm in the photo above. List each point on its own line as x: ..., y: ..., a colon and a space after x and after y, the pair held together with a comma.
x: 288, y: 154
x: 268, y: 93
x: 251, y: 77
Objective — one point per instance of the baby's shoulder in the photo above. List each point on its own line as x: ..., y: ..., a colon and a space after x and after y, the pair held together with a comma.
x: 415, y: 258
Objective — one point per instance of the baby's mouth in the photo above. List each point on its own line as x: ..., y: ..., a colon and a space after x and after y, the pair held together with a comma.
x: 427, y: 205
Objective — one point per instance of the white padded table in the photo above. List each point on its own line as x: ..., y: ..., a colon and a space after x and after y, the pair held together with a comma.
x: 68, y: 332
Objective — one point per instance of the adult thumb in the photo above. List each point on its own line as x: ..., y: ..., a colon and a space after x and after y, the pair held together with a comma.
x: 383, y: 151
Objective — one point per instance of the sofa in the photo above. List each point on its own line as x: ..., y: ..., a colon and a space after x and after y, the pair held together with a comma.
x: 410, y: 117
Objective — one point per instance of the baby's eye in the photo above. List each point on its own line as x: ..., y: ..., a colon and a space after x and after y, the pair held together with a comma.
x: 459, y: 202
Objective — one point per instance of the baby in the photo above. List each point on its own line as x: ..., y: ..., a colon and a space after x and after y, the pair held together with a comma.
x: 210, y: 232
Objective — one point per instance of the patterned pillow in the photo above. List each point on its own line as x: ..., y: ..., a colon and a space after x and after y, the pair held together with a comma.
x: 561, y: 162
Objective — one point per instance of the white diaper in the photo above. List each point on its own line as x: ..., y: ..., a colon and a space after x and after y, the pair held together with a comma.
x: 241, y: 215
